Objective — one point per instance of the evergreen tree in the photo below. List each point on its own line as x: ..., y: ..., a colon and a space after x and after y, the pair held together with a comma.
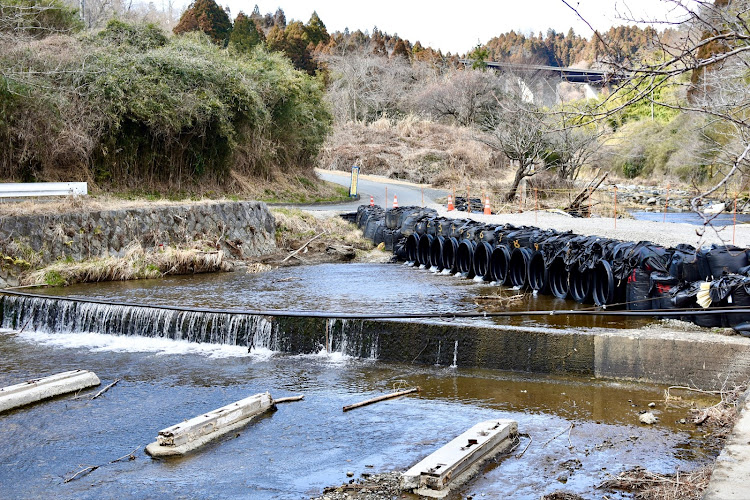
x: 294, y: 44
x: 378, y: 44
x: 400, y: 50
x: 479, y: 55
x: 208, y: 17
x: 245, y: 34
x: 256, y: 15
x: 316, y: 30
x: 279, y: 19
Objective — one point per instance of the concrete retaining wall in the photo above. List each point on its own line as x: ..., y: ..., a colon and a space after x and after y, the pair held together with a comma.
x: 243, y: 229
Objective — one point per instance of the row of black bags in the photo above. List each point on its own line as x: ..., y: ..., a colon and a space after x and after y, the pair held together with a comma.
x: 639, y: 276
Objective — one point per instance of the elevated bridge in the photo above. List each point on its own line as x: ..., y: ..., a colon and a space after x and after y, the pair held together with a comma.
x: 541, y: 83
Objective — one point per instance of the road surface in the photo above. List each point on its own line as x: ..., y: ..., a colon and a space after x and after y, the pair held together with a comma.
x: 375, y: 186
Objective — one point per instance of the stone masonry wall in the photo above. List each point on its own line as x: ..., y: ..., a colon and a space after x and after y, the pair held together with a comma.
x: 242, y: 229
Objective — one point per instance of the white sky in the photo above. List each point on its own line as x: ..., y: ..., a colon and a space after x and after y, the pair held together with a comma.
x: 457, y: 26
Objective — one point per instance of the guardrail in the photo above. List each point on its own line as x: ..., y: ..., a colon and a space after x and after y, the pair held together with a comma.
x: 25, y: 190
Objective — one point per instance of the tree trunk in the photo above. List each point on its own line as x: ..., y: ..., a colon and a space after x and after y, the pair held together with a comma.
x: 520, y: 174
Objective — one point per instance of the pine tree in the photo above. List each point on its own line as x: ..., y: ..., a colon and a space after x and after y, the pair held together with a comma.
x: 316, y: 30
x: 279, y: 19
x: 294, y: 44
x: 208, y: 17
x: 400, y: 50
x: 256, y: 15
x: 245, y: 34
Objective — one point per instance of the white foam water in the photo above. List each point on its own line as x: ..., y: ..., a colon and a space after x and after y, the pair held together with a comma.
x: 97, y: 342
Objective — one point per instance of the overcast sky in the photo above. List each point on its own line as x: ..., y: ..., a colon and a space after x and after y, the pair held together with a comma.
x: 457, y: 26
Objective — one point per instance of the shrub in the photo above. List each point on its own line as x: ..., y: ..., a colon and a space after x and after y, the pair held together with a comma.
x: 133, y: 109
x: 38, y: 18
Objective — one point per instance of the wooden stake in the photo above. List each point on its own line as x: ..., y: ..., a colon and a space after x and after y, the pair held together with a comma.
x: 734, y: 226
x: 615, y: 207
x: 381, y: 398
x: 666, y: 205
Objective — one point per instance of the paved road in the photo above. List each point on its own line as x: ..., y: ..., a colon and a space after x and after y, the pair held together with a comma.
x: 375, y: 186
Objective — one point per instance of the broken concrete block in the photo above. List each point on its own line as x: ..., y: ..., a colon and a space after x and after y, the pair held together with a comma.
x: 38, y: 389
x: 194, y: 433
x: 456, y: 462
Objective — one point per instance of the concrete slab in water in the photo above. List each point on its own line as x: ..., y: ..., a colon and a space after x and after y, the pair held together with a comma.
x: 194, y: 433
x: 453, y: 464
x: 36, y: 390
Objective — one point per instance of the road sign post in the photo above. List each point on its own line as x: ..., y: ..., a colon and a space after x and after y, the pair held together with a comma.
x: 353, y: 184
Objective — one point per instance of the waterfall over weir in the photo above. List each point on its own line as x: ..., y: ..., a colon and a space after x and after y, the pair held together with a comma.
x: 275, y: 333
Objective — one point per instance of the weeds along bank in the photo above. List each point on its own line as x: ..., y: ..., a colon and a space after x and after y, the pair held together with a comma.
x: 130, y: 108
x: 133, y: 243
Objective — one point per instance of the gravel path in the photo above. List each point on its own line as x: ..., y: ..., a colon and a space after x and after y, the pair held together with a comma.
x: 662, y: 233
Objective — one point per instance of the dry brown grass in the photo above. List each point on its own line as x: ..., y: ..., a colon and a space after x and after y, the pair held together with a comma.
x: 411, y: 149
x: 137, y: 263
x: 645, y: 485
x: 295, y: 227
x: 718, y: 420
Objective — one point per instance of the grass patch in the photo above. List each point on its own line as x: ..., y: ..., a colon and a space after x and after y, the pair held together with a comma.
x: 137, y: 263
x: 294, y: 227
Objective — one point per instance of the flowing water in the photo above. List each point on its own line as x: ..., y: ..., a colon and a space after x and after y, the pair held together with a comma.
x: 581, y: 430
x: 305, y: 446
x: 347, y: 288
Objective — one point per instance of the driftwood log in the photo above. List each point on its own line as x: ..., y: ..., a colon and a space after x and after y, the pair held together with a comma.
x: 381, y: 398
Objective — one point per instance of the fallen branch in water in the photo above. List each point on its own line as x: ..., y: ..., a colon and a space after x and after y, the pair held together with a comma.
x: 105, y: 389
x: 647, y: 484
x: 568, y: 429
x: 91, y: 468
x: 82, y: 472
x: 527, y: 445
x: 381, y: 398
x: 289, y: 399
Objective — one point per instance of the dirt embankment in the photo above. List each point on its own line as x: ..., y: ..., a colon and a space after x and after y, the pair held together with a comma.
x: 411, y: 149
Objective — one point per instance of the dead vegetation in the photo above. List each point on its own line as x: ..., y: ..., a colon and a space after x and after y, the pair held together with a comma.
x: 716, y: 420
x: 410, y: 149
x: 137, y: 263
x: 645, y: 485
x: 306, y: 237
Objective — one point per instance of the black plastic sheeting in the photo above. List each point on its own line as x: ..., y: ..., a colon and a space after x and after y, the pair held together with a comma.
x: 637, y: 276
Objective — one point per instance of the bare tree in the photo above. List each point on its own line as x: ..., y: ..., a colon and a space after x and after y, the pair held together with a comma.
x: 366, y: 87
x: 516, y: 128
x: 574, y: 146
x: 714, y: 50
x: 462, y: 96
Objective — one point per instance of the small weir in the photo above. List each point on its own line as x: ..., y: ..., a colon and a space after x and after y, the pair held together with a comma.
x: 278, y: 334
